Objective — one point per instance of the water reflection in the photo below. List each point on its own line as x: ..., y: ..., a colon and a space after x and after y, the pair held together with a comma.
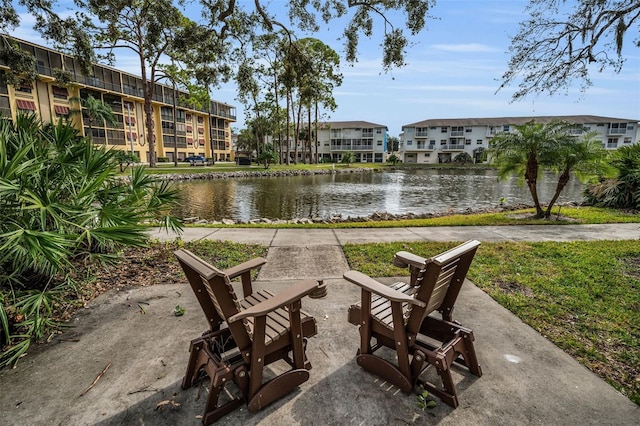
x: 358, y: 194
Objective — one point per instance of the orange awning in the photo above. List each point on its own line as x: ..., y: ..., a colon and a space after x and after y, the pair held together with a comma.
x: 26, y: 105
x: 61, y: 110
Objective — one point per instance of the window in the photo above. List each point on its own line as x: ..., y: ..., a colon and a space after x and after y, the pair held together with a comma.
x: 627, y: 140
x: 467, y: 142
x: 188, y: 117
x: 166, y: 113
x: 618, y: 128
x: 443, y: 141
x: 612, y: 143
x: 479, y: 142
x: 443, y: 130
x: 379, y: 143
x: 379, y: 131
x: 457, y: 130
x: 505, y: 128
x: 200, y: 120
x: 25, y: 88
x: 427, y: 154
x: 167, y: 126
x: 60, y: 92
x: 409, y: 143
x: 468, y: 130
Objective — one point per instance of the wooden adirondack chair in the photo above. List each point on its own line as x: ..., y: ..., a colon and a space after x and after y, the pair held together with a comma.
x: 397, y: 316
x: 246, y: 335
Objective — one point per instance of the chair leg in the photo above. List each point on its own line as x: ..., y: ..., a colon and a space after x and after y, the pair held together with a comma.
x: 197, y: 359
x: 469, y: 353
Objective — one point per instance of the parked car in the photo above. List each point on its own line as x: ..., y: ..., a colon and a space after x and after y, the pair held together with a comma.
x: 196, y: 160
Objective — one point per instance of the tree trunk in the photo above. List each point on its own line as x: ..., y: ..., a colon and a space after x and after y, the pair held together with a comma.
x: 315, y: 136
x: 531, y: 176
x: 288, y: 127
x: 296, y: 133
x: 309, y: 135
x: 279, y: 130
x: 562, y: 182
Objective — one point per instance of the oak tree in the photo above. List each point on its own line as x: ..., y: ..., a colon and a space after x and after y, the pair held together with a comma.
x: 561, y: 42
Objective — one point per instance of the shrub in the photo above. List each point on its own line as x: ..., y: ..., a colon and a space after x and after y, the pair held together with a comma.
x: 61, y: 199
x: 393, y: 159
x: 163, y: 159
x: 622, y: 191
x: 463, y: 158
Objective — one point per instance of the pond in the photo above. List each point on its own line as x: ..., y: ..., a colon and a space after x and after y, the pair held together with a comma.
x: 359, y: 194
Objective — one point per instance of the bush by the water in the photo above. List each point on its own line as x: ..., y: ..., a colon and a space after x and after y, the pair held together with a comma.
x: 62, y: 203
x: 623, y: 190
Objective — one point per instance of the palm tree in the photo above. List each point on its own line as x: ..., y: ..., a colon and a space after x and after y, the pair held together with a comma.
x: 536, y: 146
x: 585, y: 156
x: 520, y: 153
x: 95, y: 111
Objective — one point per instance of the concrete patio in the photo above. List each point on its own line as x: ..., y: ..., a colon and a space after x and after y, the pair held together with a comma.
x: 527, y: 380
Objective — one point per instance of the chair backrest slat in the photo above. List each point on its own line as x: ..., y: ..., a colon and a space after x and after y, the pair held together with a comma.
x: 216, y: 295
x: 441, y: 280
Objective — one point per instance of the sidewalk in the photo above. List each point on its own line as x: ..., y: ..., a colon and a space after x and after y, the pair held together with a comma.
x: 527, y: 380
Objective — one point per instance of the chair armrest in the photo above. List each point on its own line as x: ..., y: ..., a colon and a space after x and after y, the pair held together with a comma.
x: 284, y: 298
x: 368, y: 283
x: 404, y: 259
x: 247, y: 266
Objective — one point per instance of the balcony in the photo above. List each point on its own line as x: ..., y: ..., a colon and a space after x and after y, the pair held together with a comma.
x: 452, y: 147
x: 351, y: 147
x: 425, y: 146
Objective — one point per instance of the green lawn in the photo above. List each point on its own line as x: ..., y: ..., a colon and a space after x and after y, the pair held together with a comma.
x: 583, y: 296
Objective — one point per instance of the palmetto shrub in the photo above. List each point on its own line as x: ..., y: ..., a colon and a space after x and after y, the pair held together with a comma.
x: 623, y: 190
x: 61, y: 200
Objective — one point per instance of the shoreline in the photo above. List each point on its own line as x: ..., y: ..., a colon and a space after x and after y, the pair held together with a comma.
x: 374, y: 217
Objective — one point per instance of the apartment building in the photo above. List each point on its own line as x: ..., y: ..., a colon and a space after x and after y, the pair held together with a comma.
x: 441, y: 140
x: 197, y: 131
x: 368, y: 141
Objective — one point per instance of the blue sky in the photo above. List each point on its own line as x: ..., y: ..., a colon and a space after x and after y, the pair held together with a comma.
x: 453, y: 70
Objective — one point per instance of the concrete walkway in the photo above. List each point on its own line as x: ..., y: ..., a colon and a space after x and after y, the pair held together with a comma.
x: 527, y: 380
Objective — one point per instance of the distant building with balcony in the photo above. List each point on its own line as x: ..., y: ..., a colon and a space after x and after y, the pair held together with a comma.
x: 441, y: 140
x: 198, y: 131
x: 367, y: 141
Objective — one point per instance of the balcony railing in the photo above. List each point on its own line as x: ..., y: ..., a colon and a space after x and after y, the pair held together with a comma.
x: 452, y: 147
x: 617, y: 131
x: 351, y: 147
